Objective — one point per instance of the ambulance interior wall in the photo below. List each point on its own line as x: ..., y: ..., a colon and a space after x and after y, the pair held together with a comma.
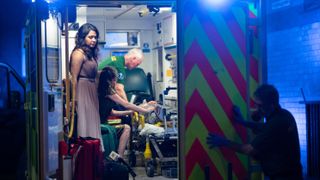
x: 148, y: 34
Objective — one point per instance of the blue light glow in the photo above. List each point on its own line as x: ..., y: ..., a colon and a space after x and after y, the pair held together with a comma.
x: 23, y: 55
x: 51, y: 1
x: 217, y: 4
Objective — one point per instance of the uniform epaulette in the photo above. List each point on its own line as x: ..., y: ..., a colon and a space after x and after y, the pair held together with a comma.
x: 113, y: 58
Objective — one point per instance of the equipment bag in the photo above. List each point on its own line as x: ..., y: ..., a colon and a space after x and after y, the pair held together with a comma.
x: 115, y: 171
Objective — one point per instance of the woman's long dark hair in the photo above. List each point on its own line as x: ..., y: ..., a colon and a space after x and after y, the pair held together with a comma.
x: 81, y: 44
x: 106, y: 76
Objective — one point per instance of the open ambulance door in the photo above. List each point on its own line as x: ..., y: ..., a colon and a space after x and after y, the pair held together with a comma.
x: 43, y: 88
x: 219, y: 64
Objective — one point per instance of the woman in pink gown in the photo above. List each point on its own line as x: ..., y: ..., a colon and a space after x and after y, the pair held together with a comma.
x: 83, y: 64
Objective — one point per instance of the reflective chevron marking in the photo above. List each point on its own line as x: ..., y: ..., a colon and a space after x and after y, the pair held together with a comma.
x: 215, y: 74
x: 196, y: 57
x: 212, y: 57
x: 199, y: 134
x: 193, y: 159
x: 202, y: 121
x: 196, y: 82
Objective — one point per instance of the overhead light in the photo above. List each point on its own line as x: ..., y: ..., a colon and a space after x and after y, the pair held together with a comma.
x: 51, y: 1
x: 153, y: 9
x: 143, y: 11
x: 165, y: 9
x: 217, y: 2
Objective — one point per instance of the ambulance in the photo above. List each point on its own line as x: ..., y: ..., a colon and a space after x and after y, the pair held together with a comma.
x: 200, y: 58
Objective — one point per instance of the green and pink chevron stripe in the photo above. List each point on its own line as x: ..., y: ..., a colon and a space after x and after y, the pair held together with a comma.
x: 255, y: 55
x: 218, y: 70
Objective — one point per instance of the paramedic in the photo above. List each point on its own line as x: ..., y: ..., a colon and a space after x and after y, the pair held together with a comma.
x: 276, y: 146
x: 131, y: 60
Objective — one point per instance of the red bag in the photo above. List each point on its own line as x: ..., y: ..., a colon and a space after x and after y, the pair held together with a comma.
x: 87, y: 159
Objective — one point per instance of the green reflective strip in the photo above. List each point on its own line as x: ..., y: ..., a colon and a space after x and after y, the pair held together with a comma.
x: 253, y: 9
x: 197, y: 173
x: 253, y: 86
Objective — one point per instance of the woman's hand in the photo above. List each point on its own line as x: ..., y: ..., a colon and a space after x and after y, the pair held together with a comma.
x: 151, y: 108
x: 152, y: 103
x: 148, y: 104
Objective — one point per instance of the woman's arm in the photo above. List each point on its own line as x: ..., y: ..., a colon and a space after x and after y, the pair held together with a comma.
x: 147, y: 104
x: 116, y: 98
x: 121, y: 113
x: 120, y: 90
x: 76, y: 63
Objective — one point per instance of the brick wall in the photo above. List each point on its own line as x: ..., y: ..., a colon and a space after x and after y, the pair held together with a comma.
x: 293, y: 59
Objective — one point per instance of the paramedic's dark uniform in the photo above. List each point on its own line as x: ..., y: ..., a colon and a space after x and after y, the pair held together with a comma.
x: 118, y: 63
x: 278, y: 147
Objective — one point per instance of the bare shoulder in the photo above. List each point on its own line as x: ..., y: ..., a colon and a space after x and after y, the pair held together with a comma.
x: 119, y: 86
x: 77, y: 55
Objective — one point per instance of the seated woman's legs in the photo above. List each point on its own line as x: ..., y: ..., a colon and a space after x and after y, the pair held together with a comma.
x: 124, y: 137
